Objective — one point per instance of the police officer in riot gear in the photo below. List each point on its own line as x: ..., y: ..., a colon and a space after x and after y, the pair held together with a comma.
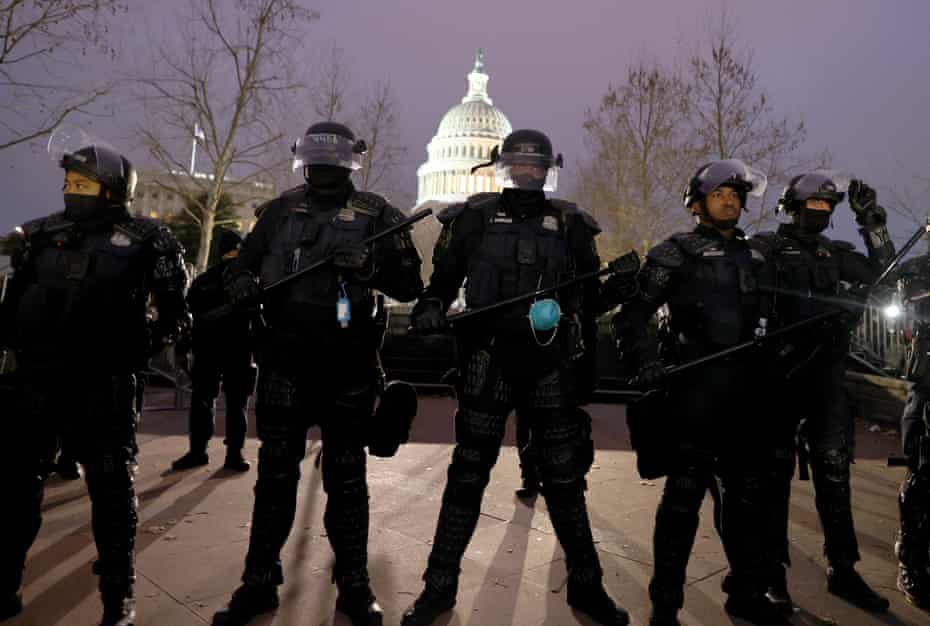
x: 708, y: 279
x: 76, y: 315
x: 506, y: 244
x: 222, y: 351
x: 809, y: 269
x: 318, y: 361
x: 913, y: 542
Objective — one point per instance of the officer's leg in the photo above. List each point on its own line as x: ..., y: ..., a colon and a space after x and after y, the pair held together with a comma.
x: 913, y: 540
x: 107, y: 450
x: 282, y: 430
x: 561, y: 437
x: 205, y: 387
x: 529, y: 473
x: 26, y: 452
x: 480, y: 420
x: 346, y: 517
x: 238, y: 385
x: 831, y: 454
x: 781, y: 466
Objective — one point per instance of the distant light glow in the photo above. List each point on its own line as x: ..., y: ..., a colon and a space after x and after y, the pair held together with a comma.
x: 892, y: 311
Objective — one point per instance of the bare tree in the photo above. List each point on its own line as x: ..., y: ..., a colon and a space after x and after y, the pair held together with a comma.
x: 732, y: 117
x: 231, y: 77
x: 639, y: 148
x: 378, y: 126
x: 39, y: 42
x: 331, y: 86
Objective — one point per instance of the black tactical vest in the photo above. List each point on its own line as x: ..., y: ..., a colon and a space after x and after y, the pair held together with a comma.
x: 85, y: 294
x: 517, y: 256
x: 306, y: 235
x: 717, y: 303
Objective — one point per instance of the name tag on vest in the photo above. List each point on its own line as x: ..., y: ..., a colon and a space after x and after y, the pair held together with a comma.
x: 714, y: 253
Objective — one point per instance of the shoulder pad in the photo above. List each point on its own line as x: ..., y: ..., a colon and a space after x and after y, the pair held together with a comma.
x: 666, y: 254
x: 53, y: 223
x: 451, y: 212
x: 693, y: 243
x: 842, y: 246
x: 483, y: 199
x: 368, y: 203
x: 570, y: 208
x: 390, y: 214
x: 139, y: 228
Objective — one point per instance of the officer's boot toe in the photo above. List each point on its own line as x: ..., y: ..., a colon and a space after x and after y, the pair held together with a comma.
x: 846, y: 583
x: 119, y: 611
x: 593, y: 601
x: 664, y: 618
x: 68, y: 470
x: 361, y: 608
x: 236, y: 462
x: 194, y: 458
x: 529, y: 489
x: 778, y: 595
x: 247, y: 603
x: 755, y: 609
x: 914, y: 583
x: 11, y: 605
x: 426, y: 608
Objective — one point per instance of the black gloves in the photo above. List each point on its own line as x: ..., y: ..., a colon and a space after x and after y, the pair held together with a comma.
x: 428, y: 316
x: 355, y: 257
x: 863, y: 202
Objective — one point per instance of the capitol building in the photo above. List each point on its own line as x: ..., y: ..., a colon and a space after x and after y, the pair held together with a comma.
x: 466, y: 135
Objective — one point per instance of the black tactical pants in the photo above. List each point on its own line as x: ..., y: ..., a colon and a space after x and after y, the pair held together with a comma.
x: 715, y: 439
x: 816, y: 394
x: 490, y: 390
x: 98, y: 418
x: 526, y: 450
x: 237, y: 373
x: 338, y: 394
x: 914, y: 497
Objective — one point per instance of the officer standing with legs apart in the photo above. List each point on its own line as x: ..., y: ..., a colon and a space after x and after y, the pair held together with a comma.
x: 318, y: 362
x: 913, y: 544
x: 75, y: 314
x: 506, y: 245
x: 222, y: 351
x: 708, y: 279
x: 809, y: 269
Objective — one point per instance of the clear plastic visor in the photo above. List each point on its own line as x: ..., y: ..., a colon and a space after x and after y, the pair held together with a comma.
x: 75, y: 149
x: 826, y: 184
x: 515, y: 170
x: 326, y: 149
x: 732, y: 171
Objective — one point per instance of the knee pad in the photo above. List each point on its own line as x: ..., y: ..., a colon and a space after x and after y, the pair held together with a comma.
x: 833, y: 465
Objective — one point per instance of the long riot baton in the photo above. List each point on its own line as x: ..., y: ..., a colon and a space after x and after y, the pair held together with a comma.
x: 626, y: 264
x: 277, y: 285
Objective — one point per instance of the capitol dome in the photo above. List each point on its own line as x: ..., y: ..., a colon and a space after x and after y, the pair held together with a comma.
x: 466, y: 135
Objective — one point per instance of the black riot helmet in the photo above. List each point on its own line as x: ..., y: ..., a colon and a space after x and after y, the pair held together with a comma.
x: 818, y: 185
x: 113, y: 171
x: 329, y: 143
x: 531, y: 149
x: 725, y: 173
x: 226, y: 241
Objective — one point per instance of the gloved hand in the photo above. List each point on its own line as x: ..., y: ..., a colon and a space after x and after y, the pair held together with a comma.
x: 428, y: 316
x: 626, y: 265
x: 863, y: 202
x: 355, y: 257
x: 241, y: 289
x: 651, y: 375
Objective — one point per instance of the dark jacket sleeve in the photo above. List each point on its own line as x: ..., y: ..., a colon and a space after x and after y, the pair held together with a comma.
x: 458, y: 241
x: 168, y: 280
x: 396, y: 260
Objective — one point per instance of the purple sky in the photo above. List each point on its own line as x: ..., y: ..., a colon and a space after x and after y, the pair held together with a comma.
x: 857, y: 70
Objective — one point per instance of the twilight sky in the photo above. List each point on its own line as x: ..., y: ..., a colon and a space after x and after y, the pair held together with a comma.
x: 858, y: 71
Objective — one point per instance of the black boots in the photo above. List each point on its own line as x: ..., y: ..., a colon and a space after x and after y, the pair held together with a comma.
x: 846, y: 583
x: 778, y: 595
x: 235, y: 461
x: 664, y: 618
x: 360, y: 607
x: 592, y: 600
x: 915, y: 585
x: 10, y: 605
x: 119, y: 611
x: 247, y: 603
x: 755, y: 609
x: 194, y: 458
x: 529, y: 490
x: 426, y: 608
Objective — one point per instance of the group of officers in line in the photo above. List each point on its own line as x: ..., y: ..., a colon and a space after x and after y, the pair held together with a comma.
x: 76, y: 318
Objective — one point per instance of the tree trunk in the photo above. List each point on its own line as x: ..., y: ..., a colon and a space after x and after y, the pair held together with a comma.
x: 207, y: 220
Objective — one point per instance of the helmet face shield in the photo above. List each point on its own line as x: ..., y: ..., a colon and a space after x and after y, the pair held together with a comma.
x: 819, y: 185
x: 527, y: 170
x: 327, y: 149
x: 78, y: 151
x: 731, y: 172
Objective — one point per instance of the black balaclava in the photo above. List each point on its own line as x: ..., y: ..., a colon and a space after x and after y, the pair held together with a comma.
x: 812, y: 221
x: 523, y: 202
x: 327, y: 180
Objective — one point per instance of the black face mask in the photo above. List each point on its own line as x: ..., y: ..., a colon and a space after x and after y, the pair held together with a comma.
x: 523, y: 202
x: 812, y: 221
x: 327, y: 179
x: 80, y: 208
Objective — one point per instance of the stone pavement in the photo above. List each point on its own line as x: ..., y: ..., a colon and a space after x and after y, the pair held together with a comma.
x: 194, y: 530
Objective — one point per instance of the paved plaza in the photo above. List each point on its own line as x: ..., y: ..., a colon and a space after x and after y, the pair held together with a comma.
x: 194, y: 529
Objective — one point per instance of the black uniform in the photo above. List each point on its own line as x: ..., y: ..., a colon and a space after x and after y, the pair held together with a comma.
x: 222, y: 351
x: 809, y: 383
x: 504, y: 245
x: 314, y: 372
x: 914, y: 498
x: 709, y: 284
x: 76, y: 315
